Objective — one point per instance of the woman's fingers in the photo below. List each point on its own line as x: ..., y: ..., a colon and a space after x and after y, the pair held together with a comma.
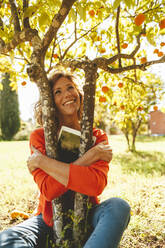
x: 34, y: 150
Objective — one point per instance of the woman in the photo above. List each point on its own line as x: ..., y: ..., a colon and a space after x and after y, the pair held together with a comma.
x: 54, y: 178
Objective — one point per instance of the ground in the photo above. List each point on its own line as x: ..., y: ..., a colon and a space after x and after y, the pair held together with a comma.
x: 138, y: 178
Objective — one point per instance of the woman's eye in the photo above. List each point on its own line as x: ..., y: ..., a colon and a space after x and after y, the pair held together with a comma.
x: 57, y: 92
x: 70, y: 87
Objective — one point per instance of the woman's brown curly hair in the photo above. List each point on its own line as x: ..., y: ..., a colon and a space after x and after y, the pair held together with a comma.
x: 53, y: 77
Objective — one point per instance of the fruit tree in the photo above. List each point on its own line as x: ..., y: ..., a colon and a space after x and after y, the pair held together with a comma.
x: 88, y: 37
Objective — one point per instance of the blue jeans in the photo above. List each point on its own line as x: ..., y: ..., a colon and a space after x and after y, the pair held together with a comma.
x: 109, y: 220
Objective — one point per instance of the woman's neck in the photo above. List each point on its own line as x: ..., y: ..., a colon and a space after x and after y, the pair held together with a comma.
x: 75, y: 124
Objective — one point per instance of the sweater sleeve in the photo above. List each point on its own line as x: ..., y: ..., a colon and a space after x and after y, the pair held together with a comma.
x: 90, y: 180
x: 48, y: 186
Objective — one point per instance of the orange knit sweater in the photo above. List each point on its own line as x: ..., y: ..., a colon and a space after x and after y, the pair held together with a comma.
x: 90, y: 180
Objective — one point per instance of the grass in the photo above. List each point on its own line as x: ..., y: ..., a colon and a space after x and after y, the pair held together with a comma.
x: 138, y: 178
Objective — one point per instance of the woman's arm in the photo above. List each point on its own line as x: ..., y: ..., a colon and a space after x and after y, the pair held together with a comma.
x: 59, y: 170
x: 89, y: 180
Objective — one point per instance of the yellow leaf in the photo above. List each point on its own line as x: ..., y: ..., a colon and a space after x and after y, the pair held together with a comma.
x: 44, y: 19
x: 1, y: 86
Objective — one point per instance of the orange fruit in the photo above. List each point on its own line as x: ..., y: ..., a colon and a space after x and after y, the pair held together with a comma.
x: 124, y: 45
x: 139, y: 19
x: 160, y: 54
x: 91, y: 13
x: 156, y: 50
x: 98, y: 38
x: 120, y: 85
x: 23, y: 83
x: 105, y: 89
x: 55, y: 56
x: 162, y: 24
x: 162, y: 44
x: 102, y: 50
x: 143, y: 60
x: 102, y: 99
x: 155, y: 108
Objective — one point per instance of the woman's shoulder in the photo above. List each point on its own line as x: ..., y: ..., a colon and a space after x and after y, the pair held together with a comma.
x: 38, y: 133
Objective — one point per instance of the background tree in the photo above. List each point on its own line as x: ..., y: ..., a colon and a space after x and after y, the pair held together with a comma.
x: 9, y: 110
x: 127, y: 102
x: 39, y: 34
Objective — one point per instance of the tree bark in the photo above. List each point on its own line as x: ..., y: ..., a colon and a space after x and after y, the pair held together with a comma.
x: 81, y: 203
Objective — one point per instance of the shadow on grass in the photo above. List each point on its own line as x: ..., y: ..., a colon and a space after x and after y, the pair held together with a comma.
x: 147, y: 138
x: 142, y: 162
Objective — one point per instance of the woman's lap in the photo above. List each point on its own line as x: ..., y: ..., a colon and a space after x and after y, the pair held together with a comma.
x: 109, y: 220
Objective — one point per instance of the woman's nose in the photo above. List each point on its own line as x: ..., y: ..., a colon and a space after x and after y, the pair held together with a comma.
x: 67, y: 93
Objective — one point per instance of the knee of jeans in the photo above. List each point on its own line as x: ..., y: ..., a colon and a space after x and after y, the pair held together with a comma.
x: 121, y: 205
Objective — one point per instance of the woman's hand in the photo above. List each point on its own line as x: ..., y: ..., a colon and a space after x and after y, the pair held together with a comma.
x: 34, y: 159
x: 101, y: 151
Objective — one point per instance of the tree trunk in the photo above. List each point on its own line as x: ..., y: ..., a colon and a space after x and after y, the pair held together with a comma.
x: 135, y: 129
x: 81, y: 205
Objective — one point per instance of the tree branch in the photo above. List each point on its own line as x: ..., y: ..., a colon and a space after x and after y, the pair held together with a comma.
x: 26, y: 23
x: 117, y: 33
x: 138, y: 42
x: 76, y: 39
x: 24, y: 35
x: 17, y: 27
x: 131, y: 67
x: 8, y: 55
x: 103, y: 63
x: 57, y: 22
x: 2, y: 43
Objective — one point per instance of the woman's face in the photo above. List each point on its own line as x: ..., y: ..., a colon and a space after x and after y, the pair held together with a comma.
x: 66, y: 98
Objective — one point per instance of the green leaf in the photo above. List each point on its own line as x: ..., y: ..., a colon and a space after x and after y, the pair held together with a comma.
x: 162, y: 31
x: 129, y: 3
x: 1, y: 86
x: 73, y: 15
x: 81, y: 11
x: 116, y: 4
x: 30, y: 11
x: 44, y: 19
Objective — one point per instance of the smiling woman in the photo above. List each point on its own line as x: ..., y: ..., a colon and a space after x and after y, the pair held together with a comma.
x: 67, y: 101
x: 55, y: 178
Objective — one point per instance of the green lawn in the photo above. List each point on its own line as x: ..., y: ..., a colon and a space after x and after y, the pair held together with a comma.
x: 138, y: 178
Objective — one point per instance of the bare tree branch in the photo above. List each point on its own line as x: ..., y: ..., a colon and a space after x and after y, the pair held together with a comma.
x: 76, y: 39
x: 117, y: 33
x: 18, y: 58
x: 142, y: 67
x: 57, y: 22
x: 26, y: 23
x: 17, y: 27
x: 138, y: 42
x: 2, y: 43
x: 24, y: 35
x: 103, y: 63
x: 51, y: 59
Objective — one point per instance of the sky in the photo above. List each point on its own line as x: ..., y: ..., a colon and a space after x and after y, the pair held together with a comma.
x: 27, y: 96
